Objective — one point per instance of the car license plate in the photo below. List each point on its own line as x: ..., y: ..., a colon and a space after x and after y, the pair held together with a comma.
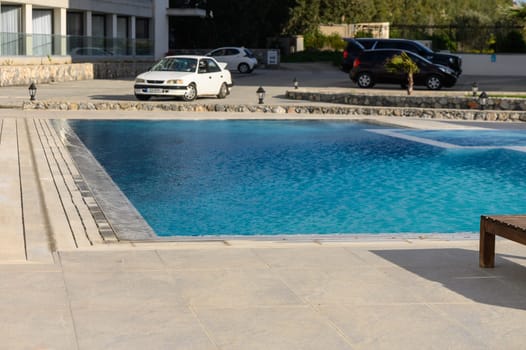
x: 154, y: 90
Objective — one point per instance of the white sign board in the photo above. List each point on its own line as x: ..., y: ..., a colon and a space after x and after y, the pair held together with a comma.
x: 272, y: 57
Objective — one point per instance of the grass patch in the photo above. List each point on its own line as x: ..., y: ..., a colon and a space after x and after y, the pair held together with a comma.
x: 335, y: 57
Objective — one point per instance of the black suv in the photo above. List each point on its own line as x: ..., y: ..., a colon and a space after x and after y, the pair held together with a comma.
x: 352, y: 50
x: 369, y: 69
x: 452, y: 61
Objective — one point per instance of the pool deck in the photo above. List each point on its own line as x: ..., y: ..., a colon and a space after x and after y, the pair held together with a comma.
x: 67, y: 282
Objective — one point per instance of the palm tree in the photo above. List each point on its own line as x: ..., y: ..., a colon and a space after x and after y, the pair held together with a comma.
x: 402, y: 63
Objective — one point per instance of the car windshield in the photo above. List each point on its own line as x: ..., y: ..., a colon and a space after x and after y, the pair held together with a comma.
x: 176, y: 64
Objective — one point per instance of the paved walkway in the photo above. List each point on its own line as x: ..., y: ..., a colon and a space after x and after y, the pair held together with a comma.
x: 68, y: 284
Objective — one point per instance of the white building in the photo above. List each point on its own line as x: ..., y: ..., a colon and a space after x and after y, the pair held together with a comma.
x: 133, y: 28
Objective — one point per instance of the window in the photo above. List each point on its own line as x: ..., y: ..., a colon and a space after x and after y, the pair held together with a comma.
x: 75, y: 23
x: 213, y: 67
x: 231, y: 52
x: 219, y: 52
x: 142, y: 28
x: 42, y: 32
x: 10, y: 19
x: 98, y: 26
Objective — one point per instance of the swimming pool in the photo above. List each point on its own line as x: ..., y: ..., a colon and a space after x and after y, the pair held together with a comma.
x: 191, y: 178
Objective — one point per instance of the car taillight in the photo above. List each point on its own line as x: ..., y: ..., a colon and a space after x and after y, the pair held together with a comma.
x: 356, y: 62
x: 345, y: 54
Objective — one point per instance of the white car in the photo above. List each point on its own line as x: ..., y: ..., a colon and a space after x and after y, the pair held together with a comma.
x: 236, y: 58
x: 184, y: 76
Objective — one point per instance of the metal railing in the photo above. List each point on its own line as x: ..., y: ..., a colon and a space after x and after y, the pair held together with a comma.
x: 181, y: 4
x: 21, y: 44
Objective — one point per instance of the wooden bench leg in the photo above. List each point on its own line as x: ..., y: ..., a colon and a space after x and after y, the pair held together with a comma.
x: 487, y: 247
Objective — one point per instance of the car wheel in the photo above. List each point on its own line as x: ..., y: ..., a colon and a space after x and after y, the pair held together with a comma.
x: 223, y: 91
x: 365, y: 80
x: 142, y: 97
x: 434, y: 82
x: 243, y: 68
x: 191, y: 93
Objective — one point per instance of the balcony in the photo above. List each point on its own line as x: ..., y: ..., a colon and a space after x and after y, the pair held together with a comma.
x: 193, y: 8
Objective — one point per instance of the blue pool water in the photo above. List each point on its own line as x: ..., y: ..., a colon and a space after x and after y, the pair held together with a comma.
x: 293, y: 177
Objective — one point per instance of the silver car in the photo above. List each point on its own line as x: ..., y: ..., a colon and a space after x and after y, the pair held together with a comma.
x: 238, y: 58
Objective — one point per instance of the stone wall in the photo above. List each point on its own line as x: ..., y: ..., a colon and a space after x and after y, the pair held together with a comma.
x: 441, y: 102
x: 120, y: 70
x: 352, y: 111
x: 13, y: 75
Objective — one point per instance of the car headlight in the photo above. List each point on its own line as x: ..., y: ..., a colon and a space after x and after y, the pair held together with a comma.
x: 175, y: 82
x: 446, y: 70
x: 139, y: 80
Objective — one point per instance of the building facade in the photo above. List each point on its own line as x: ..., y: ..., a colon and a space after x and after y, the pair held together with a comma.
x: 133, y: 28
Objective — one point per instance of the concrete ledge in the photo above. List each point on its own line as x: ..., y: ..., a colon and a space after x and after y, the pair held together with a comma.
x: 351, y: 110
x: 444, y: 102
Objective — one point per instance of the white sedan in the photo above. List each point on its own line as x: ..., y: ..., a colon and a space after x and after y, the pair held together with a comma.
x: 184, y: 76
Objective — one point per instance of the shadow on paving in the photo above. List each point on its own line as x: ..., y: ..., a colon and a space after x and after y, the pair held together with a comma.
x: 458, y: 270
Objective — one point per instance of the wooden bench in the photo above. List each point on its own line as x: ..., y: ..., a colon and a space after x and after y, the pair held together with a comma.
x: 508, y: 226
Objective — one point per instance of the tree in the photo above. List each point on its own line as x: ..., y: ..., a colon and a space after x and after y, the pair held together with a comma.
x: 403, y: 64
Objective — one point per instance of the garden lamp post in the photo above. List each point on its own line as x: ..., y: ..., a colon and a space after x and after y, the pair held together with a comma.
x: 261, y: 94
x: 474, y: 89
x: 483, y: 100
x: 32, y: 91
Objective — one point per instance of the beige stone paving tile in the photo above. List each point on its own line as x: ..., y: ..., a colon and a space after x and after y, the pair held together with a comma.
x: 461, y: 275
x: 507, y: 270
x: 11, y: 228
x: 431, y: 290
x: 431, y: 257
x: 232, y: 288
x: 121, y: 288
x: 36, y: 328
x: 412, y: 326
x: 29, y: 267
x: 32, y: 289
x: 329, y: 258
x: 212, y: 259
x: 110, y: 260
x: 138, y: 326
x: 350, y: 286
x: 276, y: 328
x: 495, y: 326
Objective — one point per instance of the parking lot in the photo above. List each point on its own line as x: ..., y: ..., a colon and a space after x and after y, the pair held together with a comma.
x: 275, y: 82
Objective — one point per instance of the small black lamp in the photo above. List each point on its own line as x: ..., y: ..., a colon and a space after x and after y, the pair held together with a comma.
x: 32, y: 91
x: 261, y: 94
x: 474, y: 88
x: 295, y: 82
x: 483, y: 99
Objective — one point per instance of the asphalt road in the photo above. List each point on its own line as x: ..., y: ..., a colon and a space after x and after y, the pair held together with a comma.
x: 275, y: 81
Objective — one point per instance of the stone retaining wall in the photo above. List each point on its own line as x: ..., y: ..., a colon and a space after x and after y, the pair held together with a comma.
x: 120, y: 70
x: 444, y: 102
x: 451, y: 114
x: 14, y: 75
